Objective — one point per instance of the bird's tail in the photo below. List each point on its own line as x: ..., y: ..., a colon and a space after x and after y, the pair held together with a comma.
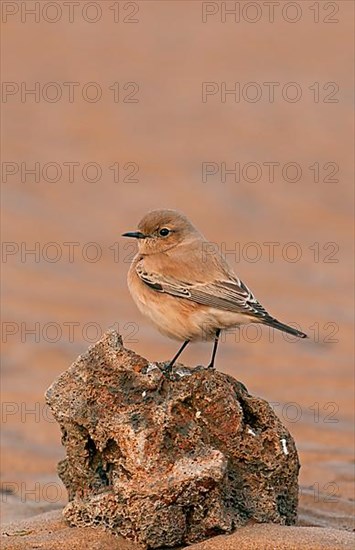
x: 274, y: 323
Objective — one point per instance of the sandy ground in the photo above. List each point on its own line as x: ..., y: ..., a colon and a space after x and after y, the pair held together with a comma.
x: 56, y: 302
x: 49, y: 532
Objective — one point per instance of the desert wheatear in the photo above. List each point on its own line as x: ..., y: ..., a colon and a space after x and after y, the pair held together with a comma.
x: 189, y: 292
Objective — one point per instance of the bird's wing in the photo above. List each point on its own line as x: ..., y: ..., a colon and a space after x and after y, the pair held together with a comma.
x: 229, y: 295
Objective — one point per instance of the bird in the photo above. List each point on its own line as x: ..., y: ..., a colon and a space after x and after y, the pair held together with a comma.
x: 186, y: 288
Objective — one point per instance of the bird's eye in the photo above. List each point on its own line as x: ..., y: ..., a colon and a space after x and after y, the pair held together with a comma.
x: 164, y: 232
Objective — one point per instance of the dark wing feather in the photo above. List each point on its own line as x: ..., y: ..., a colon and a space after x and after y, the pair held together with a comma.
x: 229, y: 295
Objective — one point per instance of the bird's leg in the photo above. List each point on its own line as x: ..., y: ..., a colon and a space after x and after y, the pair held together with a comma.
x: 215, y: 345
x: 169, y: 367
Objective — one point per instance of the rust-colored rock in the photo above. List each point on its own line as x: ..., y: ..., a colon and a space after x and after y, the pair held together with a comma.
x: 168, y: 459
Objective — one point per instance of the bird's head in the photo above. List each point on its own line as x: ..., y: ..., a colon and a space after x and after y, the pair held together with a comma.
x: 161, y: 230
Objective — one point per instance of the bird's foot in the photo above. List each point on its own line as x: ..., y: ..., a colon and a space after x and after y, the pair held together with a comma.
x: 203, y: 367
x: 168, y: 367
x: 210, y: 367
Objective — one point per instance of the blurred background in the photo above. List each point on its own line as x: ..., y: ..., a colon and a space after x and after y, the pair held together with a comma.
x: 240, y: 116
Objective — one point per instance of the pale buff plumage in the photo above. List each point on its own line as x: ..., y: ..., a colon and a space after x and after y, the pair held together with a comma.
x: 184, y: 287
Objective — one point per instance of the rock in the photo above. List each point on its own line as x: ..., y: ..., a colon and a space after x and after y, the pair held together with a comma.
x: 168, y: 459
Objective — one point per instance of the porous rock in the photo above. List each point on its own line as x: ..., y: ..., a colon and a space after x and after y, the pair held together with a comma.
x: 168, y: 459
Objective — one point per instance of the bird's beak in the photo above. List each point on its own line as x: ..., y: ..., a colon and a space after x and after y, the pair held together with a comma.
x: 134, y: 234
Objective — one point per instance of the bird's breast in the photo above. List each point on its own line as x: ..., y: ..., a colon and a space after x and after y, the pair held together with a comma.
x: 175, y: 317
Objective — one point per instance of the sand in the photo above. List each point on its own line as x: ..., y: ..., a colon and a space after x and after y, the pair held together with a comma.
x: 49, y: 532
